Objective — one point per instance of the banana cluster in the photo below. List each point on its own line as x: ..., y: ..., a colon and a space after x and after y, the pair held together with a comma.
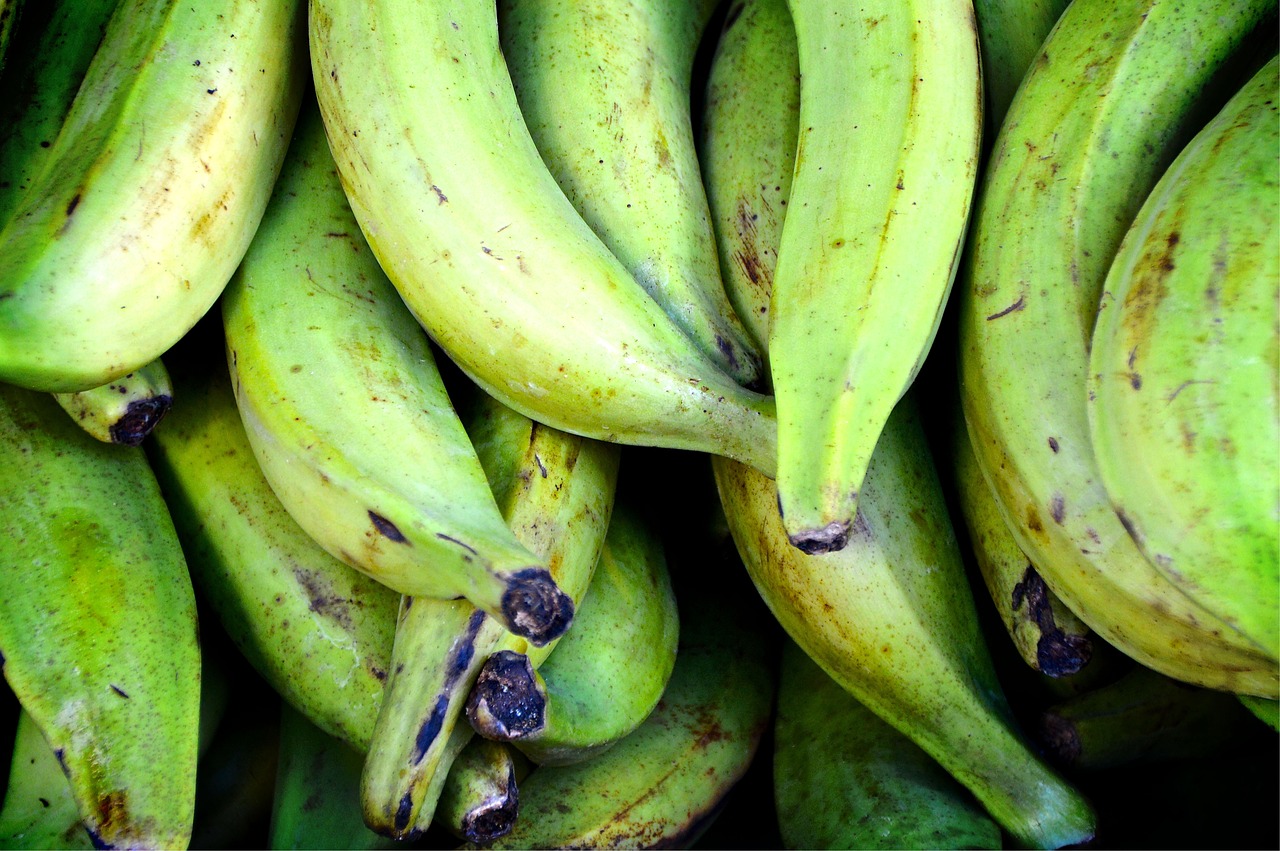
x: 559, y: 407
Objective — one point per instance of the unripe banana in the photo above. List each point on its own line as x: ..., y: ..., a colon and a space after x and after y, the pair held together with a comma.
x: 556, y: 491
x: 1183, y: 402
x: 1098, y: 117
x: 124, y: 410
x: 487, y: 251
x: 152, y: 189
x: 605, y: 91
x: 38, y: 810
x: 885, y: 169
x: 843, y: 778
x: 481, y: 796
x: 98, y: 622
x: 750, y: 125
x: 1266, y: 711
x: 607, y: 673
x: 317, y: 631
x: 1010, y: 33
x: 349, y: 418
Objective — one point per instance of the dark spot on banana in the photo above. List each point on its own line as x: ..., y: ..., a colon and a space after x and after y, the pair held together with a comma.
x: 72, y: 204
x: 453, y: 540
x: 1016, y: 306
x: 461, y: 657
x: 404, y: 812
x: 140, y: 417
x: 430, y: 728
x: 1053, y: 444
x: 386, y: 528
x: 1127, y: 523
x: 1058, y: 508
x: 1033, y: 519
x: 119, y: 691
x: 1057, y: 653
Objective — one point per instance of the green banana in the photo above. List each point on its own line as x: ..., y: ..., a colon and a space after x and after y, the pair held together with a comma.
x: 124, y: 410
x: 1010, y: 33
x: 556, y: 491
x: 316, y: 800
x: 1143, y: 716
x: 1183, y: 402
x: 1096, y: 120
x: 1047, y: 635
x: 750, y: 127
x: 151, y: 190
x: 607, y: 673
x: 317, y: 631
x: 660, y: 786
x: 892, y: 619
x: 1266, y: 711
x: 54, y: 45
x: 885, y: 169
x: 98, y: 622
x: 349, y: 418
x: 481, y: 798
x: 605, y: 92
x: 488, y: 252
x: 843, y: 778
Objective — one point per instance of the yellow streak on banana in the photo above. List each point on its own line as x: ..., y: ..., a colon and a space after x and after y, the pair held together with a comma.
x: 890, y: 125
x: 1105, y: 107
x: 152, y: 189
x: 488, y: 252
x: 605, y: 92
x: 350, y: 419
x: 125, y: 409
x: 1183, y: 403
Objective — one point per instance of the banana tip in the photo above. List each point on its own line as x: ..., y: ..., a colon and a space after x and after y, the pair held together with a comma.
x: 827, y: 539
x: 535, y: 607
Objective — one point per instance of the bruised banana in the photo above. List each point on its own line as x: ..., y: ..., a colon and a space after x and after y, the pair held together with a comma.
x: 319, y: 632
x: 843, y: 778
x: 1183, y: 402
x: 480, y: 800
x: 1097, y: 119
x: 350, y: 419
x: 98, y: 623
x: 151, y: 190
x: 487, y: 251
x: 885, y: 169
x: 750, y: 125
x: 556, y: 491
x: 660, y: 786
x: 1010, y: 33
x: 605, y: 91
x: 607, y: 673
x: 124, y: 410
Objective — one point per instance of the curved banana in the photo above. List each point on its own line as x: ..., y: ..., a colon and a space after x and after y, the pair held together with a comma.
x: 1183, y: 402
x: 1010, y: 33
x: 1047, y: 635
x: 152, y: 189
x: 488, y: 252
x: 55, y: 43
x: 885, y: 169
x: 659, y: 786
x: 317, y: 631
x: 316, y: 802
x: 750, y: 126
x: 124, y: 410
x: 349, y: 418
x: 1096, y: 120
x: 1142, y: 717
x: 843, y: 778
x: 98, y: 622
x: 481, y: 797
x: 556, y: 491
x: 605, y: 91
x: 607, y: 673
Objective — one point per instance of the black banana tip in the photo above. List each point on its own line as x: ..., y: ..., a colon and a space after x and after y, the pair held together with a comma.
x: 534, y: 606
x: 829, y: 539
x: 506, y: 702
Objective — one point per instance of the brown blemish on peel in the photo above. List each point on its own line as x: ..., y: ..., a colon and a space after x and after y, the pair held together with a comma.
x: 386, y: 528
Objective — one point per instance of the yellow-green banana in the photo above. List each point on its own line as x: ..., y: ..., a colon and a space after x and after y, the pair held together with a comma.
x: 750, y: 124
x: 125, y: 409
x: 1010, y: 33
x: 885, y: 168
x: 605, y: 90
x: 151, y: 189
x: 843, y: 778
x: 607, y: 673
x: 1096, y: 120
x: 319, y: 632
x: 481, y: 796
x: 1183, y: 395
x: 487, y: 251
x: 661, y: 785
x: 98, y: 622
x: 556, y: 491
x: 349, y: 417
